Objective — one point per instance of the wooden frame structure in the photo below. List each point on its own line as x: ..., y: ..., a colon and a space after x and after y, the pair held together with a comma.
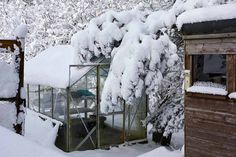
x: 210, y: 120
x: 10, y: 46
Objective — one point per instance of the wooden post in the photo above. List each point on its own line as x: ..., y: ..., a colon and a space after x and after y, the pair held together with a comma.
x: 13, y: 46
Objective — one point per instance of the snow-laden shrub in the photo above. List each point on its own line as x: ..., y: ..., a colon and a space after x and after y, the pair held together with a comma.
x: 143, y: 56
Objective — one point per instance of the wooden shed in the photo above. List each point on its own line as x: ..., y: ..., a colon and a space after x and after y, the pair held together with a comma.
x: 210, y: 83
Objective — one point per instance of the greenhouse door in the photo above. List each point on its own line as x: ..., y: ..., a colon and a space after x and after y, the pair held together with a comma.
x: 82, y: 111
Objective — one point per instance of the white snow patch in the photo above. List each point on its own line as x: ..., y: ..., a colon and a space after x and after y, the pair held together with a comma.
x: 177, y: 140
x: 232, y: 95
x: 8, y: 80
x: 208, y: 88
x: 121, y: 151
x: 51, y: 67
x: 210, y: 13
x: 7, y: 115
x: 21, y: 31
x: 162, y: 152
x: 41, y: 131
x: 12, y: 145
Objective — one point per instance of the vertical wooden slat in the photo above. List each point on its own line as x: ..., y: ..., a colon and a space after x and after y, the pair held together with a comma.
x: 230, y: 73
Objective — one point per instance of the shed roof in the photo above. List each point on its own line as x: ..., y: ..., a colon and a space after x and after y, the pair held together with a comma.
x: 213, y: 19
x: 51, y: 67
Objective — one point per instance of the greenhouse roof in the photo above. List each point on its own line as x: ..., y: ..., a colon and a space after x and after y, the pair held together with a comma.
x: 51, y: 67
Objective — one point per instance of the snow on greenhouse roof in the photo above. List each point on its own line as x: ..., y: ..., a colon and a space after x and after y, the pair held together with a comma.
x: 211, y: 13
x: 51, y: 67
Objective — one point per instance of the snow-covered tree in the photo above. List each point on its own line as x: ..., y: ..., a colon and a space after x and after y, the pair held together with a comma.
x: 52, y: 22
x: 143, y: 57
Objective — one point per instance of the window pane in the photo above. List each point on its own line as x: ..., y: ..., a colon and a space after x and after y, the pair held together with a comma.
x: 209, y: 68
x: 59, y: 104
x: 34, y: 97
x: 46, y: 100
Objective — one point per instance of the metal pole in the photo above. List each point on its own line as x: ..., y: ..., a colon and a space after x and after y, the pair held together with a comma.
x: 113, y: 119
x: 39, y: 97
x: 124, y: 128
x: 98, y: 106
x: 85, y: 102
x: 52, y: 104
x: 67, y: 119
x: 128, y: 132
x: 28, y: 95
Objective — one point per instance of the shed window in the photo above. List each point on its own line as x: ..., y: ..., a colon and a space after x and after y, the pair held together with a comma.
x: 209, y: 68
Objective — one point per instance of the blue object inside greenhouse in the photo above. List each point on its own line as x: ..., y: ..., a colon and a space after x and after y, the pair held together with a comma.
x: 82, y: 93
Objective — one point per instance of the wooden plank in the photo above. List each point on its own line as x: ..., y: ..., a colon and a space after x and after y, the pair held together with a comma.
x: 211, y: 115
x: 209, y: 148
x: 211, y: 41
x: 8, y: 99
x: 204, y: 124
x: 191, y: 151
x: 210, y: 36
x: 206, y: 96
x: 230, y: 73
x: 8, y: 44
x: 223, y: 48
x: 210, y: 104
x: 211, y: 46
x: 216, y: 137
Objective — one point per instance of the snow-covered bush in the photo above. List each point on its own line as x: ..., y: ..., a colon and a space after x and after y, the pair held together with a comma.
x: 166, y: 109
x: 144, y: 59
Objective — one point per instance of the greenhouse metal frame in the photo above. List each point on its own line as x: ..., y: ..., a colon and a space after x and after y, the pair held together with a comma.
x: 79, y: 106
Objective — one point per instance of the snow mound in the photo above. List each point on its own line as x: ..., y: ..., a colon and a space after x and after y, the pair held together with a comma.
x: 7, y: 115
x: 21, y: 31
x: 51, y: 67
x: 232, y: 95
x: 162, y: 152
x: 210, y: 13
x: 12, y: 145
x: 208, y: 88
x: 36, y: 128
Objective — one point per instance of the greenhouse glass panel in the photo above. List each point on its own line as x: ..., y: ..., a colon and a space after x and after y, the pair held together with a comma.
x: 33, y: 97
x: 46, y: 100
x: 59, y: 104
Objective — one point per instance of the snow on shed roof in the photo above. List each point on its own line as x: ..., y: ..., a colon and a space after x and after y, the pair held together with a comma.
x: 211, y: 13
x: 51, y: 67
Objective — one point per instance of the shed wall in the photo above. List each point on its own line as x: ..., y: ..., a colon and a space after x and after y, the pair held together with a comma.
x: 210, y: 127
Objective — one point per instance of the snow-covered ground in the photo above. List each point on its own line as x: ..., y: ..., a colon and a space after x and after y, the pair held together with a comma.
x: 44, y: 128
x: 122, y: 151
x: 12, y: 145
x: 40, y: 136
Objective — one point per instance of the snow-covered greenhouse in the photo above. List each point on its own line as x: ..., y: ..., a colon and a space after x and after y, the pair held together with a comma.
x: 70, y: 93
